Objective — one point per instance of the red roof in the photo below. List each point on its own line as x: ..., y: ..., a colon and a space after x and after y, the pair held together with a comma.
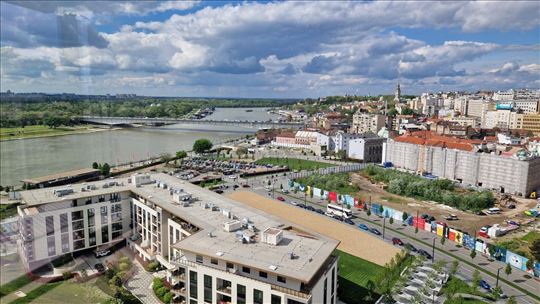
x: 428, y: 138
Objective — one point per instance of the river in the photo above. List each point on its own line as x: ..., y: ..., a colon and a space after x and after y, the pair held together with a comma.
x: 35, y: 157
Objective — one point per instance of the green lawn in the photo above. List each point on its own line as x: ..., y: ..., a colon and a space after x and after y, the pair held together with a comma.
x: 464, y: 301
x: 8, y: 210
x: 38, y: 131
x: 293, y: 163
x: 354, y: 275
x: 14, y: 285
x: 77, y: 293
x: 463, y: 287
x: 531, y: 236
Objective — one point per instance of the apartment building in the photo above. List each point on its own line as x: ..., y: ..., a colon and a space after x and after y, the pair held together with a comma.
x: 530, y: 122
x: 505, y: 169
x: 502, y: 119
x: 215, y: 249
x: 527, y: 106
x: 479, y: 108
x: 365, y: 122
x: 56, y: 221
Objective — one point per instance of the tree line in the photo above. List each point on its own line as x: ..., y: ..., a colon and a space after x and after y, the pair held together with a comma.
x: 439, y: 190
x: 56, y: 113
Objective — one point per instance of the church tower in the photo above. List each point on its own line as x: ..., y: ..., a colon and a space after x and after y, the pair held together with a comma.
x: 397, y: 96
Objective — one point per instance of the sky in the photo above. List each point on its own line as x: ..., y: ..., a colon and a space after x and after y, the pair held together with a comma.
x: 276, y: 49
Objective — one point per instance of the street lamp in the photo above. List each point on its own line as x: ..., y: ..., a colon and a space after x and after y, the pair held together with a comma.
x: 433, y: 251
x: 497, y: 282
x: 383, y: 226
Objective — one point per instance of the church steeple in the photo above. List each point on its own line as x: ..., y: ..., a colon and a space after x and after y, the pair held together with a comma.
x: 397, y: 96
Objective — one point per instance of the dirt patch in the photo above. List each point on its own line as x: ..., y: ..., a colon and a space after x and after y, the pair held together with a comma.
x: 353, y: 241
x: 467, y: 222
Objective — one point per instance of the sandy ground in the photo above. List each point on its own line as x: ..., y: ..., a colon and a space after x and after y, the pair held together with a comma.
x: 467, y: 221
x: 353, y: 241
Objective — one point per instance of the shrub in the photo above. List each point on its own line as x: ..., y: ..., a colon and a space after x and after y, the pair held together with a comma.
x: 160, y: 292
x: 123, y: 266
x: 167, y: 298
x: 153, y: 266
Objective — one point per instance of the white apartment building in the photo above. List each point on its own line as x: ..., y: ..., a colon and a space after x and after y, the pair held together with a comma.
x: 502, y: 119
x: 365, y: 122
x: 465, y: 121
x: 479, y: 108
x: 215, y: 249
x: 527, y: 106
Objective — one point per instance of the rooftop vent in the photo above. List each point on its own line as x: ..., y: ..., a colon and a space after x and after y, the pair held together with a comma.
x: 231, y: 226
x: 219, y: 253
x: 272, y: 267
x: 292, y: 256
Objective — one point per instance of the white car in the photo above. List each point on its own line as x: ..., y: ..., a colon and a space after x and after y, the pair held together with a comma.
x: 102, y: 253
x: 232, y: 176
x: 285, y: 191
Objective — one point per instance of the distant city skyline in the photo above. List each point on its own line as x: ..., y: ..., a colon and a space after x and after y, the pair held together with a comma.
x: 268, y: 49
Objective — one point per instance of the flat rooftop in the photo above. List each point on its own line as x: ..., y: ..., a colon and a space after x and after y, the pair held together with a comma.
x: 311, y: 249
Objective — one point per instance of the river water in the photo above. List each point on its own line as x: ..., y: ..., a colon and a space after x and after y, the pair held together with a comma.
x: 35, y: 157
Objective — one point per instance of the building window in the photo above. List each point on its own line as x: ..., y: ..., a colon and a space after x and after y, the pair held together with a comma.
x: 230, y: 265
x: 76, y: 215
x: 193, y: 284
x: 64, y: 226
x: 91, y: 236
x: 240, y: 294
x: 104, y: 215
x: 207, y: 288
x: 246, y: 269
x: 276, y: 299
x: 281, y: 279
x: 214, y: 261
x: 325, y: 292
x: 199, y: 259
x: 104, y: 234
x: 91, y: 217
x: 263, y: 274
x: 333, y: 281
x: 65, y: 242
x: 257, y: 296
x: 51, y: 246
x: 49, y: 223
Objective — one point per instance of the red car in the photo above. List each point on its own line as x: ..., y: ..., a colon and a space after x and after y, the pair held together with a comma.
x: 397, y: 241
x: 280, y: 198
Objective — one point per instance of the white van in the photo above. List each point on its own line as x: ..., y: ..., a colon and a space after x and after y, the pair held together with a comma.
x: 494, y: 211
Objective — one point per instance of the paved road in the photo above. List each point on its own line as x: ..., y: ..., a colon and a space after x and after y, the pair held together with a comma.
x: 422, y: 239
x: 140, y: 285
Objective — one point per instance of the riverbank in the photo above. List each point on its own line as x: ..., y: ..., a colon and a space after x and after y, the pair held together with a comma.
x: 10, y: 134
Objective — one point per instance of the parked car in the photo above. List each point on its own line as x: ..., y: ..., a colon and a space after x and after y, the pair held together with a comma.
x: 102, y: 253
x: 431, y: 219
x: 245, y: 185
x: 375, y: 231
x: 481, y: 213
x: 363, y: 227
x: 310, y: 208
x: 218, y: 191
x: 235, y: 186
x: 410, y: 247
x: 348, y: 221
x: 280, y: 198
x: 485, y: 285
x: 424, y: 216
x: 452, y: 217
x: 99, y: 267
x: 319, y: 211
x: 397, y: 241
x: 513, y: 223
x: 232, y: 176
x: 512, y: 206
x: 425, y: 254
x: 285, y: 191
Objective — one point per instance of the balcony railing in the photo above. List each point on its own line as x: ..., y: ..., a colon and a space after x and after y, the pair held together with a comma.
x: 299, y: 294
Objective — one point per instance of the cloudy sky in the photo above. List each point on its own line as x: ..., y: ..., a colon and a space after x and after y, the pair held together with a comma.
x: 268, y: 49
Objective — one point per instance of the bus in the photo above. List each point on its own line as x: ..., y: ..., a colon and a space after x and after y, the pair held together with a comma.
x: 338, y: 210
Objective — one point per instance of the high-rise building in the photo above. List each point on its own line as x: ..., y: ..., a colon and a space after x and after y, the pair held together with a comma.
x: 397, y: 94
x: 366, y: 122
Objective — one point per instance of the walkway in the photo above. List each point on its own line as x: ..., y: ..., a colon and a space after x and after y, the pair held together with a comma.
x: 140, y: 285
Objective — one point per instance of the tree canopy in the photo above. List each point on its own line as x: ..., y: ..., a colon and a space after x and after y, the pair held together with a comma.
x: 202, y: 145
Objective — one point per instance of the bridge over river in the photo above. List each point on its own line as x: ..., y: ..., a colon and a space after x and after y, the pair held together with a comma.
x: 159, y: 121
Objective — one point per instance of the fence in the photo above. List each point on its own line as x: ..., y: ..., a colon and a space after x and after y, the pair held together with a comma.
x: 441, y: 229
x: 329, y: 170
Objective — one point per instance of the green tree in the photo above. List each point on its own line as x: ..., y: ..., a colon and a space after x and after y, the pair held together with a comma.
x: 368, y: 212
x: 496, y: 292
x: 95, y: 165
x: 181, y: 154
x: 165, y: 158
x: 391, y: 220
x: 476, y: 278
x: 381, y: 210
x: 202, y: 145
x: 454, y: 267
x: 530, y: 264
x: 535, y: 249
x: 508, y: 270
x: 473, y: 254
x: 241, y: 152
x: 105, y: 169
x: 443, y: 240
x: 405, y: 216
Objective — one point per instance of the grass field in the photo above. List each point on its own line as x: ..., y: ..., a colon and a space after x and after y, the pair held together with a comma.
x: 354, y: 275
x: 77, y: 293
x: 293, y: 163
x: 531, y: 236
x: 38, y: 131
x: 14, y: 285
x: 7, y: 210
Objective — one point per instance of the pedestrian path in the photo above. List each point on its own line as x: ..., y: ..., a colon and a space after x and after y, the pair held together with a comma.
x: 140, y: 285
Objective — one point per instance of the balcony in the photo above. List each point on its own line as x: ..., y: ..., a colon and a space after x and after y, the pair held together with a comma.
x: 224, y: 286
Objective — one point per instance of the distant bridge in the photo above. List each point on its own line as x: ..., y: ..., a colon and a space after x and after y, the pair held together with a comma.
x: 160, y: 121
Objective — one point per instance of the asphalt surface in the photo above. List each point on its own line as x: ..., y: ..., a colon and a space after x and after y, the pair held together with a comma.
x: 421, y: 240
